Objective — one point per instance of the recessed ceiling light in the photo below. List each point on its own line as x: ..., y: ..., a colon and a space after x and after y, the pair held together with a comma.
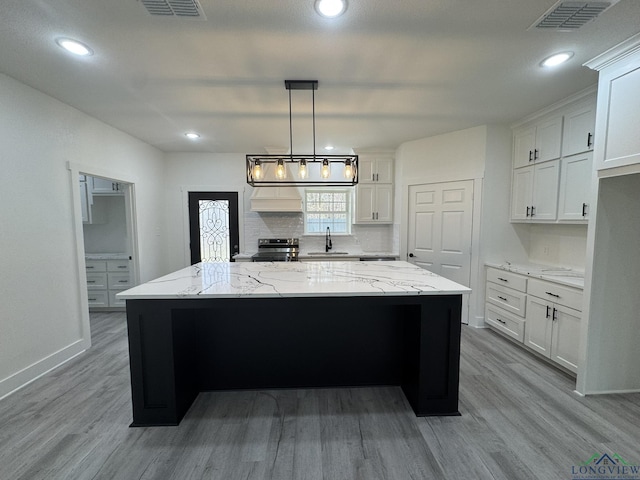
x: 74, y: 46
x: 331, y: 8
x: 329, y: 147
x: 192, y: 135
x: 557, y: 59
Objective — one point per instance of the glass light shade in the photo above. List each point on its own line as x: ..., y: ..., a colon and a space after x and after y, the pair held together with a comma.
x: 331, y: 8
x: 302, y: 169
x: 325, y: 171
x: 348, y: 169
x: 257, y: 170
x: 281, y: 171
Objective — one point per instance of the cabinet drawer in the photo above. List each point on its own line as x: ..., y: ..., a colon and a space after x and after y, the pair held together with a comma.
x: 96, y: 281
x: 508, y: 279
x: 504, y: 322
x: 552, y: 292
x: 96, y: 265
x: 98, y: 298
x: 117, y: 265
x: 507, y: 298
x: 119, y: 281
x: 114, y: 301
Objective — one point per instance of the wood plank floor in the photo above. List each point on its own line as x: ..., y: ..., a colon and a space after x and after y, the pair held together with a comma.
x: 520, y: 420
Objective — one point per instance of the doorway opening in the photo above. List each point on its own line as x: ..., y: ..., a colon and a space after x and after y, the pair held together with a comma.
x: 214, y: 233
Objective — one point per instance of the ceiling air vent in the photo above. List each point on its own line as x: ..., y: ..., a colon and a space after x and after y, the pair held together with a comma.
x: 569, y: 16
x: 174, y: 8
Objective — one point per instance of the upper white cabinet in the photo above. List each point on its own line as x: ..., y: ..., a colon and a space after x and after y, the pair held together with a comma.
x: 102, y: 186
x: 617, y: 139
x: 374, y: 193
x: 535, y: 192
x: 574, y: 197
x: 579, y: 130
x: 375, y: 169
x: 539, y: 142
x: 551, y: 163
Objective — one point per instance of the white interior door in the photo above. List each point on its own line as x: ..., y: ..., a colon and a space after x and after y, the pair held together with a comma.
x: 440, y: 231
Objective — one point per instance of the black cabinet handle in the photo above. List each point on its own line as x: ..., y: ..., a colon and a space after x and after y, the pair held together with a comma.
x: 555, y: 314
x: 547, y: 311
x: 527, y: 211
x: 584, y: 209
x: 532, y: 211
x: 589, y: 141
x: 530, y: 155
x: 536, y: 154
x: 502, y: 298
x: 503, y: 279
x: 552, y: 294
x: 501, y: 321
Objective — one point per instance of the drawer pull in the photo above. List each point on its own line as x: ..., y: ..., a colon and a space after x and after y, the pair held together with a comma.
x: 123, y: 281
x: 503, y: 279
x: 91, y: 281
x: 122, y: 266
x: 552, y: 294
x: 502, y: 298
x: 90, y: 266
x: 501, y: 321
x: 92, y: 299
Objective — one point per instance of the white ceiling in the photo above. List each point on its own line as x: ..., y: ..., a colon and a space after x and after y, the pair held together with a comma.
x: 388, y: 71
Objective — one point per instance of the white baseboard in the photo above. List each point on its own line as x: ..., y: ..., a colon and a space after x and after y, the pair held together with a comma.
x: 36, y: 370
x: 611, y: 392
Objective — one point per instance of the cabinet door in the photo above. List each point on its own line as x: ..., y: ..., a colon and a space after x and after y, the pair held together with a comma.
x: 524, y: 142
x: 366, y: 170
x: 545, y: 191
x: 384, y: 203
x: 565, y: 341
x: 575, y: 187
x: 619, y: 117
x: 579, y: 128
x: 384, y: 170
x: 548, y: 139
x: 521, y: 193
x: 538, y: 326
x: 365, y: 203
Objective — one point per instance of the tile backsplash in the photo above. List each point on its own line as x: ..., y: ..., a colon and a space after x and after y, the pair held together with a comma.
x: 368, y: 238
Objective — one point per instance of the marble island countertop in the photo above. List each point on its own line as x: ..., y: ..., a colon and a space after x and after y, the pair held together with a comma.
x: 348, y: 253
x: 561, y: 275
x: 295, y: 279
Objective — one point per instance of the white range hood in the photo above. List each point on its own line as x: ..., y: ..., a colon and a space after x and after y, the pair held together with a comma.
x: 276, y: 199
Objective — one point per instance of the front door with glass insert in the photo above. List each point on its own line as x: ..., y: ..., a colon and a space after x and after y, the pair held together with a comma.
x: 213, y: 226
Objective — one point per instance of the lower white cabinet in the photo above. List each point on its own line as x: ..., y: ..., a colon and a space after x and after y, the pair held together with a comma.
x: 544, y: 316
x: 106, y: 278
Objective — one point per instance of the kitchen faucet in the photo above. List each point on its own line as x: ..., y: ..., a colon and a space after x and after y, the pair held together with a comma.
x: 327, y: 241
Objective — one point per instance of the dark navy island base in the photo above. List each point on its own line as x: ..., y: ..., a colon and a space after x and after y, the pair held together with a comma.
x: 180, y: 347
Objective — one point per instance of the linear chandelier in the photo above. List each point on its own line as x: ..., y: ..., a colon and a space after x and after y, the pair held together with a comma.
x: 268, y: 170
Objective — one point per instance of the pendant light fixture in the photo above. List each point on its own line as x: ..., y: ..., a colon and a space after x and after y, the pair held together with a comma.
x: 272, y: 170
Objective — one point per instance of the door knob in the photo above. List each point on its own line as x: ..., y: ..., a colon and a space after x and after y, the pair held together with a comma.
x: 411, y: 255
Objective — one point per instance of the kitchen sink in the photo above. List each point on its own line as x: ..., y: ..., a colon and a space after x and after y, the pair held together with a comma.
x: 328, y: 253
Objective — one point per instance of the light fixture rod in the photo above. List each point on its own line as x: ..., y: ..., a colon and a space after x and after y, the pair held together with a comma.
x: 313, y: 110
x: 290, y: 127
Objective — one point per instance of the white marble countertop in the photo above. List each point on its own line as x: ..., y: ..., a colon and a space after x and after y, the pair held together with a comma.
x: 295, y: 279
x: 348, y: 254
x: 106, y: 256
x: 560, y: 275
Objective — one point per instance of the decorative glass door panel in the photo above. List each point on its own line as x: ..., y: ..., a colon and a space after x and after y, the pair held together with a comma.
x: 213, y: 218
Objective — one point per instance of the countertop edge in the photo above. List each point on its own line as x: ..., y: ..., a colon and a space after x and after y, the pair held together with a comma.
x: 572, y: 280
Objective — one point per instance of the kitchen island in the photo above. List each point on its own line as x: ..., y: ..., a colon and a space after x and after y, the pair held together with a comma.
x: 222, y: 326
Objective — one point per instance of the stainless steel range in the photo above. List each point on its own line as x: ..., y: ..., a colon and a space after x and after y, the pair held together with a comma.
x: 277, y: 250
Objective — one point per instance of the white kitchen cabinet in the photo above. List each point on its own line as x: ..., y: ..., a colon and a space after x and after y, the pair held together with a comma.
x: 579, y: 129
x: 103, y: 186
x: 534, y: 195
x: 553, y: 330
x: 617, y: 139
x: 506, y: 303
x: 539, y: 142
x: 575, y: 182
x: 373, y: 204
x: 375, y: 169
x: 544, y: 316
x: 106, y: 278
